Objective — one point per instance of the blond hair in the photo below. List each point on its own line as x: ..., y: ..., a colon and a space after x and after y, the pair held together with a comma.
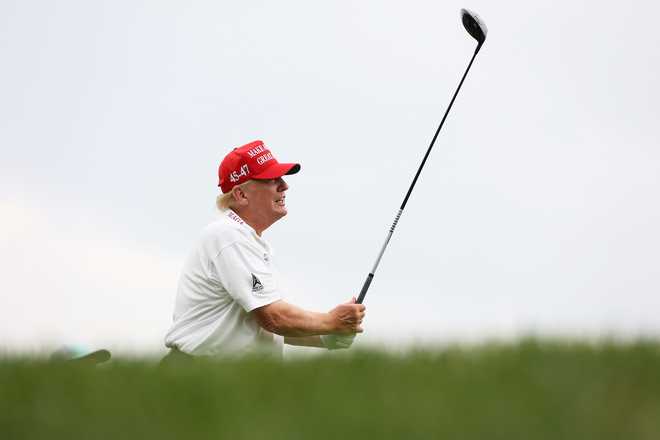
x: 227, y: 201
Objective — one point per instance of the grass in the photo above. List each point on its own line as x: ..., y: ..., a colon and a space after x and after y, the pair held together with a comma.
x: 530, y: 390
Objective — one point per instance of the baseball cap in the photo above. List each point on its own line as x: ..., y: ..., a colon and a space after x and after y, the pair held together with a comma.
x: 79, y: 353
x: 251, y: 161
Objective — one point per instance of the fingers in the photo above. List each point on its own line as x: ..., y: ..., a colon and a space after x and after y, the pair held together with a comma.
x: 358, y: 313
x: 355, y: 313
x: 351, y: 331
x: 349, y: 317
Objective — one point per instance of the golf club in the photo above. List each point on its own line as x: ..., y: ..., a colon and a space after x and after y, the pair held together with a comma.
x: 477, y: 29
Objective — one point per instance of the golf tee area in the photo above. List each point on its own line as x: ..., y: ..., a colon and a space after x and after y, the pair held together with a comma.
x: 532, y: 389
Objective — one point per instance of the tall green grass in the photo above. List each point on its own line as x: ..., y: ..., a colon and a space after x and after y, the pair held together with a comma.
x: 530, y: 390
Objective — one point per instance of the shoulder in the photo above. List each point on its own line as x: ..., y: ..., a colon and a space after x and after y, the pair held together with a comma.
x: 220, y: 234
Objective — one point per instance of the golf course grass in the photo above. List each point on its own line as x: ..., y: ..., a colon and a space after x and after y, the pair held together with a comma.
x: 528, y: 390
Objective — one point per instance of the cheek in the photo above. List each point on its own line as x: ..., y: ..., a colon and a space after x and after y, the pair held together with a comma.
x: 267, y: 202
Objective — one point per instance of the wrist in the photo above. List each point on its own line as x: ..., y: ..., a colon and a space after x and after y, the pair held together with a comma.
x: 326, y: 324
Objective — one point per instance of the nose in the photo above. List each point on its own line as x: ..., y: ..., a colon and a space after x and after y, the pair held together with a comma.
x: 282, y: 185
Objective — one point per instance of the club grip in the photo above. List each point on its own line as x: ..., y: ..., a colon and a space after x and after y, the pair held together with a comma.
x: 365, y: 287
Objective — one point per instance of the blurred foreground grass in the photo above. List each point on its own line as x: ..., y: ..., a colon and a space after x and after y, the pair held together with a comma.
x: 530, y: 390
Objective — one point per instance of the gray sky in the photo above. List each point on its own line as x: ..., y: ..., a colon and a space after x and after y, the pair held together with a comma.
x: 537, y: 211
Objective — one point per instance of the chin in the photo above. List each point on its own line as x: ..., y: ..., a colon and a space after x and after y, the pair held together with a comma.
x: 279, y: 213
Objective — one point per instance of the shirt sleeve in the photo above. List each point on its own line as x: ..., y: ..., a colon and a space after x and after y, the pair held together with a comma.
x: 246, y: 276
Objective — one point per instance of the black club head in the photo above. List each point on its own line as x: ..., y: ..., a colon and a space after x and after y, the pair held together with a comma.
x: 475, y: 26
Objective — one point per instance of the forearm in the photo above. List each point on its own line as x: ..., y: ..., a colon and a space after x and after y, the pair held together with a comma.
x: 307, y: 341
x: 291, y: 321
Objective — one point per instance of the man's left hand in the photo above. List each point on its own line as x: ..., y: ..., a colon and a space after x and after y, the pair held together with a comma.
x: 336, y: 342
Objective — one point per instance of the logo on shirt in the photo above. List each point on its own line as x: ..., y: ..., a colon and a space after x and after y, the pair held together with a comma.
x: 256, y: 284
x: 232, y: 215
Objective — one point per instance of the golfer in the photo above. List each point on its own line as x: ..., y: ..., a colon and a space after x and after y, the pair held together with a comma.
x: 228, y: 299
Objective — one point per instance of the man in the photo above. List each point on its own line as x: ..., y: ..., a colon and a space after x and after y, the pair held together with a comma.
x: 228, y: 300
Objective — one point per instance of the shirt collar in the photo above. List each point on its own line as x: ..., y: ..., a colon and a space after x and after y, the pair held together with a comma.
x: 232, y: 216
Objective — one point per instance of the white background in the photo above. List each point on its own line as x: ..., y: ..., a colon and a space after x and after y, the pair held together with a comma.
x: 537, y: 211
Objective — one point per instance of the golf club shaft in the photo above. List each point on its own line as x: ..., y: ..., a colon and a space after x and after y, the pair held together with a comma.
x: 370, y: 277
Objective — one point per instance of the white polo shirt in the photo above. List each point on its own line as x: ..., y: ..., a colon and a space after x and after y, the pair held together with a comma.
x: 228, y: 273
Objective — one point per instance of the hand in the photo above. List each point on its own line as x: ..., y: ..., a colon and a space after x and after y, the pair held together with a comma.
x: 336, y: 342
x: 346, y: 318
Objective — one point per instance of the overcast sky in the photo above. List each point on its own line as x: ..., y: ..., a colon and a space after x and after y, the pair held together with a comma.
x: 537, y: 211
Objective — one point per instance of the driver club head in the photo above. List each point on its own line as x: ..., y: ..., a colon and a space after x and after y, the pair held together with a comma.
x: 475, y: 26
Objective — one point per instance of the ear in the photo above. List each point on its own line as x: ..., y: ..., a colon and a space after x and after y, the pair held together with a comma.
x: 239, y: 196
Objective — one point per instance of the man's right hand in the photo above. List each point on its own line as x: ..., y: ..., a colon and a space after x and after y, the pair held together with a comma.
x: 346, y: 318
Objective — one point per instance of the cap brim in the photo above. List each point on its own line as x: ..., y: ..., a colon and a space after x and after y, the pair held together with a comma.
x: 278, y: 170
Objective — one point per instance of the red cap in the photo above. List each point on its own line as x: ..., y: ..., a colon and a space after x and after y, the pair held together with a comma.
x: 251, y: 161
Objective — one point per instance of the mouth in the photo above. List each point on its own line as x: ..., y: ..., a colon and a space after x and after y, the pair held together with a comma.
x: 280, y: 201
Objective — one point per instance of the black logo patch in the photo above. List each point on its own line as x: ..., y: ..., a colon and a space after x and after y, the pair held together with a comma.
x: 256, y: 284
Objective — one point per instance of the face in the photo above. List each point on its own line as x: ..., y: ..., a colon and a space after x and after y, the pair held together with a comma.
x: 266, y: 200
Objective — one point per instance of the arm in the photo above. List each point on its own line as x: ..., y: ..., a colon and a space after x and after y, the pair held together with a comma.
x: 288, y: 320
x: 291, y: 321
